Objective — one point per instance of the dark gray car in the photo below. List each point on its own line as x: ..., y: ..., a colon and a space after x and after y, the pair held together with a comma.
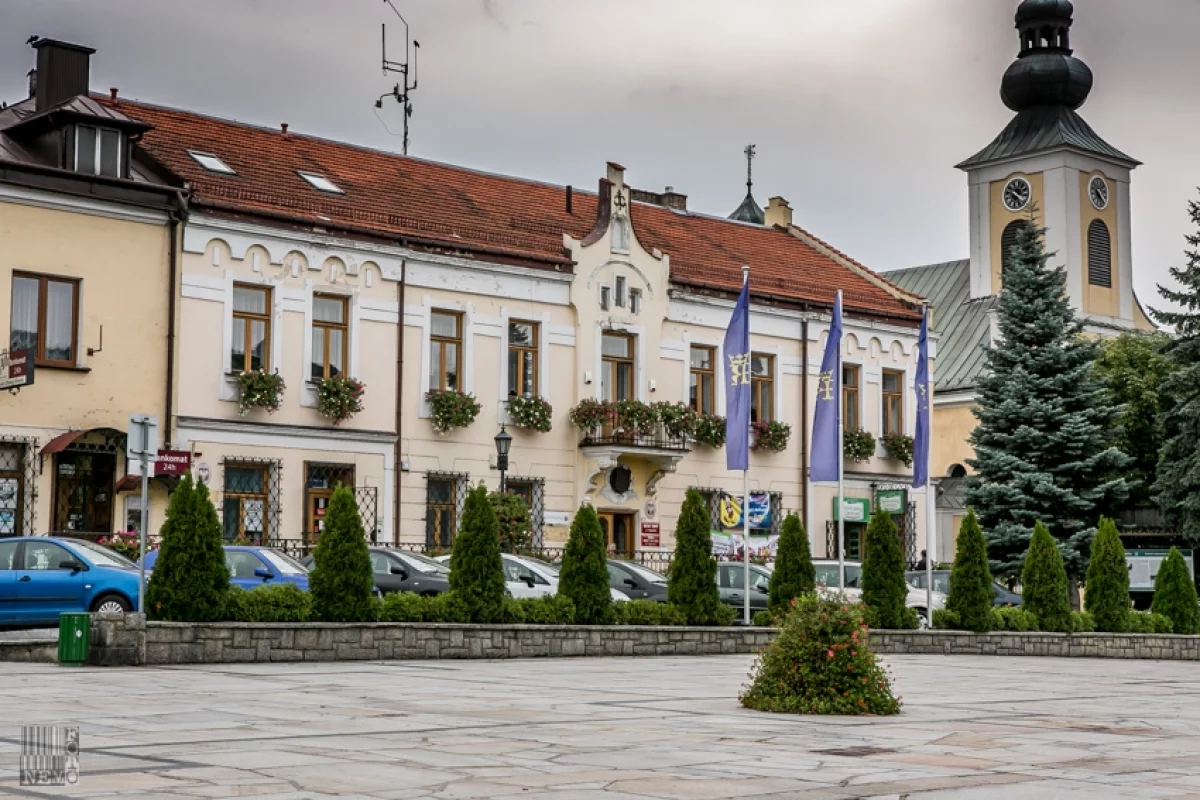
x: 636, y: 581
x: 941, y: 583
x: 731, y: 579
x: 402, y: 571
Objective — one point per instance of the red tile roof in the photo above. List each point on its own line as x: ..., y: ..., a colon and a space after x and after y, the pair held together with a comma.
x: 450, y: 207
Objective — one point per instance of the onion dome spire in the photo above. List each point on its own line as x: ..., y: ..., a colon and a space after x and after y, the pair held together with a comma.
x: 1045, y: 73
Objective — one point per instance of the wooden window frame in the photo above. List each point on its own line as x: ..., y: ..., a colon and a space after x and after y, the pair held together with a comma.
x: 852, y: 395
x: 250, y: 317
x: 327, y: 327
x: 611, y: 364
x: 18, y: 474
x: 99, y: 150
x: 521, y: 349
x: 435, y: 508
x: 761, y: 384
x: 437, y: 347
x: 264, y: 497
x: 700, y: 374
x: 40, y: 358
x: 898, y: 397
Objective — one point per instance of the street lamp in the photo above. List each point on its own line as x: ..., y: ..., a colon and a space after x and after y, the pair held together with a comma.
x: 503, y: 442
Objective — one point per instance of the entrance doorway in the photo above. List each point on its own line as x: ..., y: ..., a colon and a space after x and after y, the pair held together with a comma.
x: 618, y: 532
x: 83, y: 492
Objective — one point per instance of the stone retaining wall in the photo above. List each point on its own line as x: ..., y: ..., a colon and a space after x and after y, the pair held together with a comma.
x: 1063, y: 645
x: 42, y: 650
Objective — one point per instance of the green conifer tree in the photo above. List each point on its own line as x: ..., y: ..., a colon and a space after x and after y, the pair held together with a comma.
x: 1044, y: 582
x: 342, y: 581
x: 476, y: 571
x: 884, y: 590
x: 1107, y: 589
x: 190, y: 578
x: 692, y: 581
x: 794, y: 573
x: 1175, y: 595
x: 1178, y: 487
x: 1042, y: 450
x: 584, y: 576
x: 971, y: 595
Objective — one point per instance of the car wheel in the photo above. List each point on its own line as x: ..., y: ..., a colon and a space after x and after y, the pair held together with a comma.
x: 111, y: 603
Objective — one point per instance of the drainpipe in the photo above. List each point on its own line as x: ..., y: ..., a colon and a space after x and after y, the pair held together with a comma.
x: 805, y: 503
x: 172, y: 280
x: 397, y: 475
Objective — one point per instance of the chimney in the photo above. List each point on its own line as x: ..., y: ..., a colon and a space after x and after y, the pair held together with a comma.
x: 570, y: 196
x: 283, y: 128
x: 673, y: 199
x: 32, y: 75
x: 778, y: 213
x: 62, y: 72
x: 616, y: 174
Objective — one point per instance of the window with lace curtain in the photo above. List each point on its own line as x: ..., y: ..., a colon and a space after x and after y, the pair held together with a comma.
x: 44, y: 318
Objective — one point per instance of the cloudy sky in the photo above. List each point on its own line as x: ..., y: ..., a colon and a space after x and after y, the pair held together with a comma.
x: 858, y: 117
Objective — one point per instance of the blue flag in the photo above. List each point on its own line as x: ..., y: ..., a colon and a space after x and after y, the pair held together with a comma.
x: 921, y: 388
x: 825, y: 441
x: 737, y: 383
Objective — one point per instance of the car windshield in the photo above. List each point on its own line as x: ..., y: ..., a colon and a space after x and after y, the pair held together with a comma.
x: 423, y: 564
x: 103, y: 557
x: 534, y: 565
x: 553, y: 569
x: 286, y: 565
x: 941, y: 581
x: 644, y: 573
x: 827, y: 574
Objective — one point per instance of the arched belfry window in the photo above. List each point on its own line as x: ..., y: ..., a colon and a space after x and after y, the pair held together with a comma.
x: 1008, y: 241
x: 1099, y: 258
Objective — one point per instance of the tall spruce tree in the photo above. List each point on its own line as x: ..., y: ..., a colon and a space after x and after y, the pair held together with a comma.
x: 1042, y: 446
x: 1178, y: 485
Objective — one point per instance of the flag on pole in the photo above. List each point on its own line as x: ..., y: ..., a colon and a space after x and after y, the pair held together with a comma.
x: 823, y: 465
x: 737, y: 382
x: 921, y: 388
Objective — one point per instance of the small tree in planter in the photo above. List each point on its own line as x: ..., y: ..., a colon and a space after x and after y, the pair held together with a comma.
x: 476, y: 571
x: 342, y: 581
x: 514, y: 522
x: 584, y: 576
x: 884, y: 590
x: 1175, y: 594
x: 858, y: 446
x: 771, y: 436
x: 1044, y: 583
x: 339, y: 398
x: 1107, y: 589
x: 190, y: 577
x: 971, y: 596
x: 531, y: 413
x: 899, y: 447
x: 710, y: 430
x: 692, y: 579
x: 678, y: 419
x: 258, y: 389
x: 794, y: 573
x: 450, y: 410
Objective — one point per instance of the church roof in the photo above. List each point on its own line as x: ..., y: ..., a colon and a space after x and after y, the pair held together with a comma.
x: 1045, y: 128
x: 749, y: 211
x: 962, y: 324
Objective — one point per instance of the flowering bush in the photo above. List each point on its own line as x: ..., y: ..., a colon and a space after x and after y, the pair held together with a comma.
x: 821, y: 663
x: 678, y: 419
x: 450, y: 410
x: 771, y: 436
x: 258, y: 389
x: 634, y: 416
x: 123, y: 543
x: 530, y: 412
x: 591, y: 414
x: 899, y: 447
x: 710, y: 430
x: 858, y: 445
x: 339, y: 398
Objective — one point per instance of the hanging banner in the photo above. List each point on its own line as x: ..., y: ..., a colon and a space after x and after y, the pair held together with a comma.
x: 729, y: 545
x: 730, y: 509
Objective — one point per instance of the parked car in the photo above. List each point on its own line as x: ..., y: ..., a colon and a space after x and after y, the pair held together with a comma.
x: 731, y: 580
x: 1001, y: 596
x: 251, y: 566
x: 636, y: 581
x: 827, y: 578
x: 402, y: 571
x: 42, y: 577
x: 531, y: 577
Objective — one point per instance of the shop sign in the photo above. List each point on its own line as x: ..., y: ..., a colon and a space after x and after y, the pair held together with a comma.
x: 172, y: 462
x: 857, y: 509
x: 556, y: 517
x: 650, y: 535
x: 893, y: 501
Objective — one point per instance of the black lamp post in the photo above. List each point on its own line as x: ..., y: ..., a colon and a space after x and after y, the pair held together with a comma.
x: 503, y: 443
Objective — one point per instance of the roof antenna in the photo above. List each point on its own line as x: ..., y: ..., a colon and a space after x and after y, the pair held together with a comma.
x: 401, y: 90
x: 751, y: 151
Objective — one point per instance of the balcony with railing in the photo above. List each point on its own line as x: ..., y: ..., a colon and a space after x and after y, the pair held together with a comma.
x: 630, y: 425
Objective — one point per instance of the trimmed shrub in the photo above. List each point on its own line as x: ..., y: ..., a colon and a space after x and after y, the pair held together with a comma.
x: 1013, y: 619
x: 403, y: 607
x: 764, y: 619
x: 190, y: 579
x: 476, y: 571
x: 821, y: 663
x: 884, y: 589
x: 725, y: 616
x: 548, y: 610
x: 514, y: 612
x: 1044, y: 583
x: 647, y: 612
x: 971, y: 592
x: 692, y: 579
x: 1082, y: 622
x: 1175, y: 594
x: 910, y: 619
x: 584, y: 576
x: 450, y: 607
x: 280, y: 602
x: 1145, y: 622
x: 1107, y: 588
x: 794, y: 573
x: 341, y: 580
x: 945, y: 620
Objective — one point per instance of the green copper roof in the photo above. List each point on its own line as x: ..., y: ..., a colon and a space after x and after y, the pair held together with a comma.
x: 1044, y: 128
x: 749, y: 211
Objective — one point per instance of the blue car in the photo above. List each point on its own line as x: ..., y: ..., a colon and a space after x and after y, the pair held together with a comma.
x: 42, y: 577
x: 251, y: 567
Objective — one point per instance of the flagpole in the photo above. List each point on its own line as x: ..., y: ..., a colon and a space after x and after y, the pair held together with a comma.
x: 841, y: 446
x: 746, y: 490
x: 930, y: 500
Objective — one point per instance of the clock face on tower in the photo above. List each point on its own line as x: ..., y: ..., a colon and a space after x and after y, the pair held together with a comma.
x: 1017, y: 194
x: 1098, y: 192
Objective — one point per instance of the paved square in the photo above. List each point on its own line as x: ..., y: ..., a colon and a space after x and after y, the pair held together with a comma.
x: 973, y: 727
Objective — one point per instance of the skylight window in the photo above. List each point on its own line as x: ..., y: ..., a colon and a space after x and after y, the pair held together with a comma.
x: 212, y: 163
x: 321, y: 183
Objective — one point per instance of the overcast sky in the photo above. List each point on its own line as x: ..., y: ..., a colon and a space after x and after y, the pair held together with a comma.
x: 859, y: 117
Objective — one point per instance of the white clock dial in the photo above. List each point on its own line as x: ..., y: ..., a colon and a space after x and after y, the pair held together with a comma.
x: 1098, y: 192
x: 1017, y: 194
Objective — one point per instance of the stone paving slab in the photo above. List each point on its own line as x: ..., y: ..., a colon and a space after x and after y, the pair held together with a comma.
x: 973, y: 727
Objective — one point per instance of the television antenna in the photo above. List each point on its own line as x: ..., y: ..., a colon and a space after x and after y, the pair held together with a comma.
x: 402, y: 90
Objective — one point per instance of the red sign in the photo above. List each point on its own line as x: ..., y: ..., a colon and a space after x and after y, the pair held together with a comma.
x: 16, y: 369
x: 650, y: 534
x: 173, y: 462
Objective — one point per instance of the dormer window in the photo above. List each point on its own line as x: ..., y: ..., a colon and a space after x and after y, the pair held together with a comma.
x: 211, y: 163
x: 97, y: 151
x: 320, y: 182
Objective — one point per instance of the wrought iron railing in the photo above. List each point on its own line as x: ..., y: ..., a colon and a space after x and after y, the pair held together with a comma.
x: 614, y: 436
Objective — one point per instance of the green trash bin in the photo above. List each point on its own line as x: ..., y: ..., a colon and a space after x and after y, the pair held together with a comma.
x: 74, y: 633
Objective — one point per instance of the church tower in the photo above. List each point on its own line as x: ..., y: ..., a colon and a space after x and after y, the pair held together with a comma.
x: 1049, y: 158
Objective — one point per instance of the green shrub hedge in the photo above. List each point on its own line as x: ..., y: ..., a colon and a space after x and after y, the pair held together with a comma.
x: 1145, y: 622
x: 1013, y: 619
x: 281, y: 602
x: 647, y: 612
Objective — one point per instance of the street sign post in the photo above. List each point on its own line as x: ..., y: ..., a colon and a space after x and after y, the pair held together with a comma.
x: 142, y: 445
